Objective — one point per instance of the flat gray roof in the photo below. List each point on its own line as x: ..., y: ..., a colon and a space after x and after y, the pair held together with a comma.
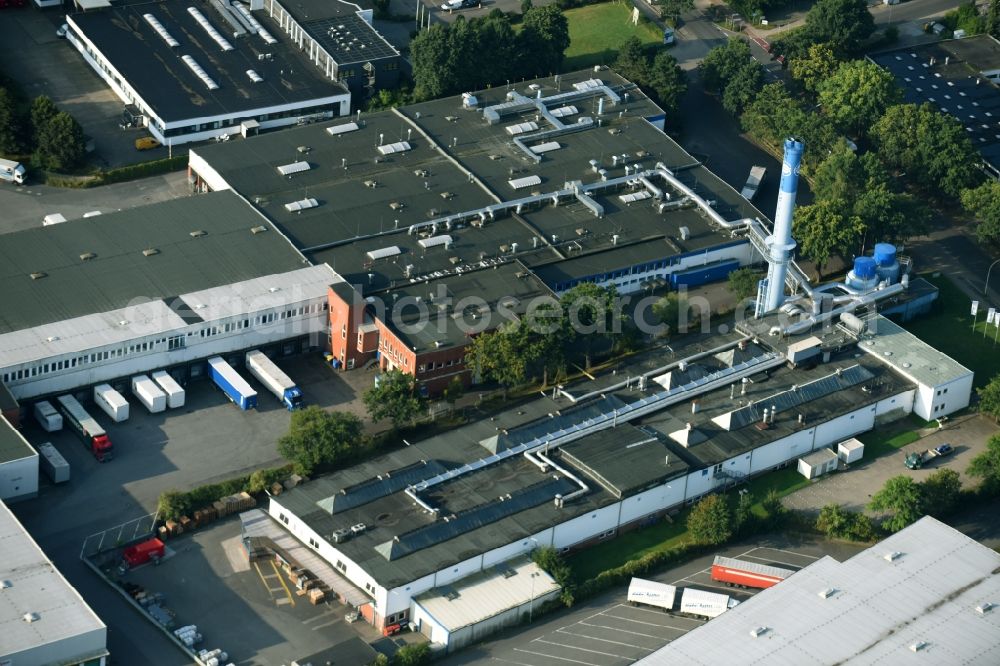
x: 161, y: 78
x: 367, y: 201
x: 37, y: 587
x: 13, y: 446
x: 919, y: 604
x: 908, y: 355
x: 97, y: 264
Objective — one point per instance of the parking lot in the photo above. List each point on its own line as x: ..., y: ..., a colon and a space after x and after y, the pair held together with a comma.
x: 607, y: 631
x: 43, y: 64
x: 205, y: 441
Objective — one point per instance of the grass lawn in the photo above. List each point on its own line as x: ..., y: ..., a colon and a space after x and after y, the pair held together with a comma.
x: 949, y: 329
x: 890, y: 438
x: 661, y: 536
x: 597, y: 31
x: 783, y: 482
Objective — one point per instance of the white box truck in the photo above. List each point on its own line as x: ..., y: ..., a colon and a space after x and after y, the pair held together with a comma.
x: 47, y: 416
x: 52, y: 463
x: 706, y: 604
x: 12, y: 172
x: 149, y: 394
x: 174, y: 391
x: 651, y: 593
x: 112, y: 402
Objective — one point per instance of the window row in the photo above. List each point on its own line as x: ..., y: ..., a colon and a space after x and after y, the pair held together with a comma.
x: 427, y: 367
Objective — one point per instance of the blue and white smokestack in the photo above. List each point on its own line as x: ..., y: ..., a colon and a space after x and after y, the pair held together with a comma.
x: 780, y: 243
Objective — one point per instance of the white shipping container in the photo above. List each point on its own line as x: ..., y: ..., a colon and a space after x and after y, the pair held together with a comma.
x: 112, y: 402
x: 52, y: 463
x: 706, y: 604
x: 651, y: 593
x: 48, y: 417
x: 174, y: 391
x: 149, y: 394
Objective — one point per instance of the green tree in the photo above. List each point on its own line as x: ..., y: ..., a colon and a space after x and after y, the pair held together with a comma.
x: 592, y: 318
x: 526, y: 6
x: 742, y: 283
x: 667, y: 83
x: 60, y: 143
x: 742, y: 88
x: 671, y: 10
x: 843, y: 24
x: 815, y: 68
x: 632, y: 61
x: 414, y: 654
x: 394, y: 398
x: 670, y: 311
x: 710, y: 521
x: 43, y: 110
x: 316, y: 438
x: 434, y: 70
x: 722, y: 63
x: 823, y: 230
x: 501, y: 355
x: 551, y: 562
x: 989, y: 398
x: 901, y: 497
x: 173, y: 504
x: 544, y: 39
x: 772, y: 506
x: 857, y: 94
x: 983, y: 203
x: 833, y: 521
x: 930, y: 146
x: 941, y: 492
x: 454, y: 390
x: 771, y: 115
x: 10, y: 124
x: 841, y: 176
x: 986, y: 466
x: 993, y: 18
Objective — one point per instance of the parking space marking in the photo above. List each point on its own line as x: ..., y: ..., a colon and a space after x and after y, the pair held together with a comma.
x: 508, y: 661
x: 281, y: 579
x: 782, y: 550
x: 648, y: 624
x: 605, y: 640
x: 575, y: 647
x: 638, y: 608
x: 550, y: 656
x: 624, y: 631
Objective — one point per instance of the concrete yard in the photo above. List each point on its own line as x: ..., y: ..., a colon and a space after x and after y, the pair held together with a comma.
x: 249, y: 610
x: 606, y: 631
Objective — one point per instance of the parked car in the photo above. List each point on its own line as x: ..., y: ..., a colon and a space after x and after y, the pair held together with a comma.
x: 944, y: 450
x: 146, y: 143
x: 451, y: 5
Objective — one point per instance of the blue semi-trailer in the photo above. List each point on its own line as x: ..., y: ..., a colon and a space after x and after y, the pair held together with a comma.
x: 232, y: 384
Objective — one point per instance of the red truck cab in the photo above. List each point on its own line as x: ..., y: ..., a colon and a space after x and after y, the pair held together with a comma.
x: 102, y: 448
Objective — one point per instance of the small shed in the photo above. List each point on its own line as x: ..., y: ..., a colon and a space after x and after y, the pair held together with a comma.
x: 818, y: 463
x: 850, y: 450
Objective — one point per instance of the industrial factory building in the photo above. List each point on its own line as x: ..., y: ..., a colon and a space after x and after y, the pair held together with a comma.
x: 613, y: 452
x: 927, y: 593
x: 43, y: 619
x: 157, y: 287
x: 202, y: 70
x: 18, y: 464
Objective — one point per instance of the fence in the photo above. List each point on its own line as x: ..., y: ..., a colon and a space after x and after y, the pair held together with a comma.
x: 117, y: 536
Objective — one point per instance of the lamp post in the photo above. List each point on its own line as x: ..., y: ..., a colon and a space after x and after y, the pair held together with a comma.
x: 531, y: 603
x: 986, y: 288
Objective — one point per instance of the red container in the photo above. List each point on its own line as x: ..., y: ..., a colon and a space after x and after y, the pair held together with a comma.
x: 747, y: 574
x: 143, y: 552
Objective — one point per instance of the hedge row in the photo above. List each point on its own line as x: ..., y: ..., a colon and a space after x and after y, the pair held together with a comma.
x: 173, y: 503
x: 119, y: 174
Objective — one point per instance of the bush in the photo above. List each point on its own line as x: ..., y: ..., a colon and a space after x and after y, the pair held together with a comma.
x: 144, y: 170
x: 413, y: 655
x: 173, y: 503
x: 838, y: 523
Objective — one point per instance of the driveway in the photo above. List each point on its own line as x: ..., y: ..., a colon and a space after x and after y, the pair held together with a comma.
x: 24, y: 207
x: 854, y: 487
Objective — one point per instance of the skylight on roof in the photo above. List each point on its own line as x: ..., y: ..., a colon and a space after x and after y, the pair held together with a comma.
x: 398, y: 147
x: 294, y: 167
x: 342, y: 129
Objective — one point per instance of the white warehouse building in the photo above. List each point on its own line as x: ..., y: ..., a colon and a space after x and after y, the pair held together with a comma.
x: 160, y: 287
x: 601, y: 457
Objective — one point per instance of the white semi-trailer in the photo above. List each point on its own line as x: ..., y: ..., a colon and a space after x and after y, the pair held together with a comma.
x: 169, y: 385
x: 47, y: 416
x: 276, y: 381
x: 149, y: 394
x: 52, y: 463
x: 112, y: 402
x: 706, y: 604
x: 651, y: 593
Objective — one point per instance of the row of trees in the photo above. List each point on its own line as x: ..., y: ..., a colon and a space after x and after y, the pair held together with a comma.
x: 470, y: 55
x: 658, y: 75
x: 53, y: 137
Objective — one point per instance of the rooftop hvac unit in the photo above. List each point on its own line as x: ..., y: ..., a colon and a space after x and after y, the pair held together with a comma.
x: 254, y: 76
x: 342, y: 535
x: 358, y: 529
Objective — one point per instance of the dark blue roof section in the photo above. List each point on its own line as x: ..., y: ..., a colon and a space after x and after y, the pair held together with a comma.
x: 558, y: 421
x: 445, y: 528
x: 376, y: 488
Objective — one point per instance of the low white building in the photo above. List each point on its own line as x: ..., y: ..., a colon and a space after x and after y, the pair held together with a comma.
x: 927, y: 594
x: 186, y: 77
x: 18, y: 464
x: 43, y: 619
